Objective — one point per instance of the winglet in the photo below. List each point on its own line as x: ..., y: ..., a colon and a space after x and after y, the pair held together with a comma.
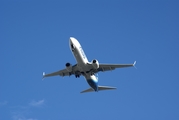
x: 43, y: 75
x: 134, y: 64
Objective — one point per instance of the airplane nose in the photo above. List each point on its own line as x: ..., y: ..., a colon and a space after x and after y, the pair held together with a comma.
x: 71, y: 43
x: 71, y: 40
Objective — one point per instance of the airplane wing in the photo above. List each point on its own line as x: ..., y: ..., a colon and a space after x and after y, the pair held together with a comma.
x: 62, y: 73
x: 102, y: 67
x: 108, y: 67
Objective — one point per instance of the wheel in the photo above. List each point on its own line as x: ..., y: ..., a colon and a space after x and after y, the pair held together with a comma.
x: 77, y: 76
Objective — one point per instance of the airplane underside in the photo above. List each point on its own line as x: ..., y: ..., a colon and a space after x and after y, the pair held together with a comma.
x: 88, y: 69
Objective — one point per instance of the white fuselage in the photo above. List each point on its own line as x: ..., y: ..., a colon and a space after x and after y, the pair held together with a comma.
x: 82, y: 63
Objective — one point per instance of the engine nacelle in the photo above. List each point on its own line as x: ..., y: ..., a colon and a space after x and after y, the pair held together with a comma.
x: 95, y: 64
x: 68, y: 67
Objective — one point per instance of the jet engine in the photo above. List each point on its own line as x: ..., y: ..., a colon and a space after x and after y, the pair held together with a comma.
x: 68, y: 67
x: 95, y: 64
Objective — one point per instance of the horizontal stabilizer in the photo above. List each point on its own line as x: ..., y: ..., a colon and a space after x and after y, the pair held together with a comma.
x: 88, y: 90
x: 99, y: 88
x: 106, y: 88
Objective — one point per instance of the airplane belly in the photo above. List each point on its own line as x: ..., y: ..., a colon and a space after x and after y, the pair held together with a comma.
x: 78, y: 57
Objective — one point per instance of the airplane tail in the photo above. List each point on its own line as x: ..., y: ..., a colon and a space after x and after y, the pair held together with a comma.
x: 99, y: 89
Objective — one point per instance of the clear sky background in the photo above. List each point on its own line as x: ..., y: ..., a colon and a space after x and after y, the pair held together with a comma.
x: 34, y: 38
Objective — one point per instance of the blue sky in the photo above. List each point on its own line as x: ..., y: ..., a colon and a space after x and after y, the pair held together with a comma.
x: 34, y: 38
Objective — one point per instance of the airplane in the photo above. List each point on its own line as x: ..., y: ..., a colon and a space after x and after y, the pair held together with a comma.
x: 85, y: 68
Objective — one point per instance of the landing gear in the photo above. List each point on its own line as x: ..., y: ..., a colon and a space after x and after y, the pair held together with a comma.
x: 92, y: 73
x: 77, y: 76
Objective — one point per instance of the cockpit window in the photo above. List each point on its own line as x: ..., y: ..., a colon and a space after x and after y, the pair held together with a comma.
x: 72, y: 47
